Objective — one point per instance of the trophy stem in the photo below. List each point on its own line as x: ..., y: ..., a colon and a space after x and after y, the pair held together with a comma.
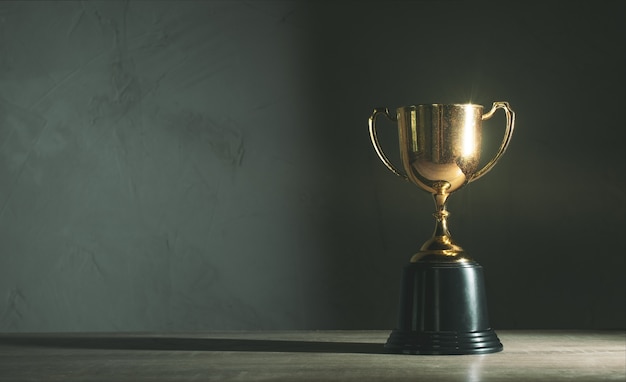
x: 441, y: 215
x: 441, y: 247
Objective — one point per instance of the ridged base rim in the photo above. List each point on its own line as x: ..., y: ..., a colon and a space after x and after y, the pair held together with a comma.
x: 442, y: 343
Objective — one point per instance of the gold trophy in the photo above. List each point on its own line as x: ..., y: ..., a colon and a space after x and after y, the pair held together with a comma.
x: 443, y: 308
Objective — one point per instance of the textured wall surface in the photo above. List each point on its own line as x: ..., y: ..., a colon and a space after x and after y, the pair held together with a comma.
x: 205, y: 165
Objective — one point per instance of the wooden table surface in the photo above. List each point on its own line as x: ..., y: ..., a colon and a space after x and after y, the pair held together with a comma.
x: 303, y: 356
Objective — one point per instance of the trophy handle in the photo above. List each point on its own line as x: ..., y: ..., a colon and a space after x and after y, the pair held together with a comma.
x: 510, y: 125
x: 372, y: 129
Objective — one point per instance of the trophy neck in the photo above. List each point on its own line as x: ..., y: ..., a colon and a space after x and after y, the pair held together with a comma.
x: 441, y: 248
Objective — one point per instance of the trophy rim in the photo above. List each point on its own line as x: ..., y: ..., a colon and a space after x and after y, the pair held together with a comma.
x: 415, y: 106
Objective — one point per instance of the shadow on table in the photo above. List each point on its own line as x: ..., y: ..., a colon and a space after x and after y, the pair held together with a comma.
x: 190, y: 344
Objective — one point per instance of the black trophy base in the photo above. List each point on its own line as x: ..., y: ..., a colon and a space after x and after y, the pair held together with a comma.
x: 443, y: 310
x: 440, y: 343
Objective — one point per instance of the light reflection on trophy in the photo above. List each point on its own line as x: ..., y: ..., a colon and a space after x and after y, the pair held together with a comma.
x: 443, y: 308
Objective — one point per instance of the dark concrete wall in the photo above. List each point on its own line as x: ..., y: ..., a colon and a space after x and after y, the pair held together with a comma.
x: 205, y: 165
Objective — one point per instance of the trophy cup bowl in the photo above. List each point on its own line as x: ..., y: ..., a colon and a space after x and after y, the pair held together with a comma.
x: 443, y: 307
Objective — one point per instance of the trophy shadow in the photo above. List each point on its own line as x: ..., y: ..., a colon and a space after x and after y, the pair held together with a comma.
x: 121, y: 342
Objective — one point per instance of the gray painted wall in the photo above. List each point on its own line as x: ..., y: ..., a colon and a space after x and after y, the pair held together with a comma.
x: 205, y: 165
